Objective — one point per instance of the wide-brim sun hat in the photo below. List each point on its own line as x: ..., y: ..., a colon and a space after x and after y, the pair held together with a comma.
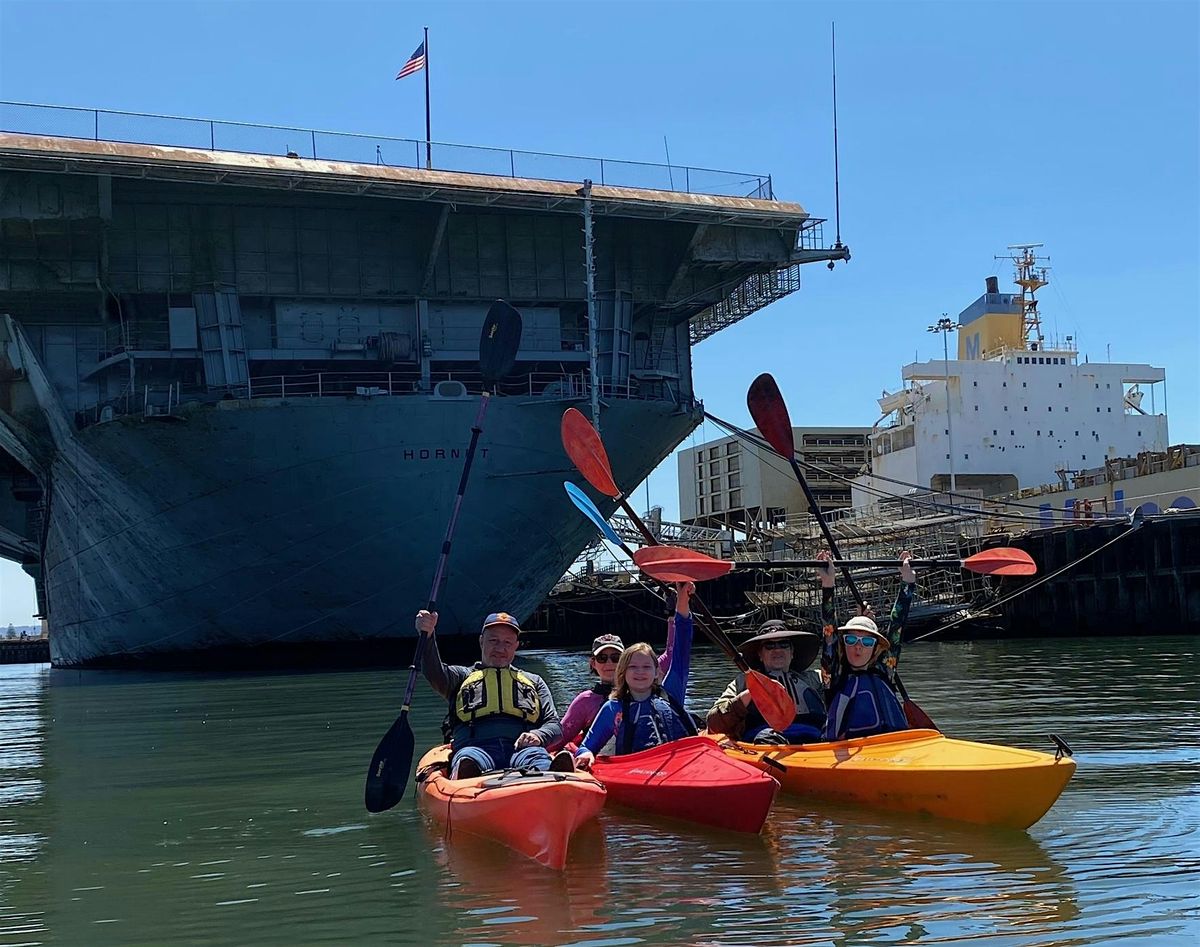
x: 805, y: 645
x: 864, y: 626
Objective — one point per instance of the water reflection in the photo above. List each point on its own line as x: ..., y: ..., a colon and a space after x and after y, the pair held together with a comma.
x: 227, y: 809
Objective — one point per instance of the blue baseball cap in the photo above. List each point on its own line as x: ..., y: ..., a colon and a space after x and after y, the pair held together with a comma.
x: 502, y: 618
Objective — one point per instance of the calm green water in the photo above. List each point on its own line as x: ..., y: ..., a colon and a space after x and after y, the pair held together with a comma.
x: 227, y: 810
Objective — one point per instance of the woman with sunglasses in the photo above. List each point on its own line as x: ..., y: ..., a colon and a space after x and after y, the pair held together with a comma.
x: 784, y: 655
x: 860, y: 663
x: 606, y: 652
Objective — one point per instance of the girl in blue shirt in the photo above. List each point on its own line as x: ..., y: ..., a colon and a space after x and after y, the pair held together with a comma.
x: 642, y: 713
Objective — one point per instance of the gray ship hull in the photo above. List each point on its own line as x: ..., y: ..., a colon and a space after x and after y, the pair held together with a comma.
x: 259, y: 523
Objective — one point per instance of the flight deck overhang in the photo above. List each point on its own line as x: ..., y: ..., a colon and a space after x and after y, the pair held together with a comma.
x: 23, y: 152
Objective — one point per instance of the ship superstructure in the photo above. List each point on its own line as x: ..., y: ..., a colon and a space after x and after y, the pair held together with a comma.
x: 1012, y: 410
x: 235, y: 386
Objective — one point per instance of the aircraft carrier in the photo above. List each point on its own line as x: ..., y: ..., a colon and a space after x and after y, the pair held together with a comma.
x: 237, y: 375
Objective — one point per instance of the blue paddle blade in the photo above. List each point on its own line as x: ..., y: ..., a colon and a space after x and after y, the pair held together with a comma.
x: 588, y: 509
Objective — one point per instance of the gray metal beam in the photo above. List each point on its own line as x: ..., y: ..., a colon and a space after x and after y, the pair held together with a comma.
x: 435, y: 247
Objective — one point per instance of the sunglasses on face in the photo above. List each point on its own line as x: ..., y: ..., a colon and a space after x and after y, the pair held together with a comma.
x: 606, y: 657
x: 867, y: 641
x: 777, y: 646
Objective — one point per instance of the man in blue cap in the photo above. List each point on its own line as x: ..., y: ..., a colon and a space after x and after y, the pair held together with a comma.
x: 500, y: 717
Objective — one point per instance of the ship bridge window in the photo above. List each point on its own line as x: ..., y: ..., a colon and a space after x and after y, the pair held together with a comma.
x: 976, y: 407
x: 1004, y: 384
x: 1060, y: 384
x: 735, y: 463
x: 1025, y: 408
x: 1049, y: 408
x: 974, y: 384
x: 735, y: 499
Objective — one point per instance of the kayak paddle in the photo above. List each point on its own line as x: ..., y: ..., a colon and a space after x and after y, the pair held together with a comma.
x: 586, y: 450
x: 674, y: 564
x: 770, y: 415
x: 387, y: 776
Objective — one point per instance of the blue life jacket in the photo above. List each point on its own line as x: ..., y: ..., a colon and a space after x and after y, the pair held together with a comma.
x: 651, y: 722
x: 864, y: 704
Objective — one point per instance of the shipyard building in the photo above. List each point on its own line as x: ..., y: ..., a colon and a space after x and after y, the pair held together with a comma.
x: 729, y: 484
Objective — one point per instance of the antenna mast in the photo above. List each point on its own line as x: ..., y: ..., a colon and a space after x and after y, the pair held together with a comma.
x: 1030, y: 277
x: 837, y: 199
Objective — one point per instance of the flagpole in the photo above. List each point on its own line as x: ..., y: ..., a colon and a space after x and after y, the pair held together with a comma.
x: 428, y: 142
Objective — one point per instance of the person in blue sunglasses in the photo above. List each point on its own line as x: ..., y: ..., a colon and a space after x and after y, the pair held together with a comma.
x: 859, y: 662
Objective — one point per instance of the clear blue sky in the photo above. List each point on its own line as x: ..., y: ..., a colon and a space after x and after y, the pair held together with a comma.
x: 964, y: 127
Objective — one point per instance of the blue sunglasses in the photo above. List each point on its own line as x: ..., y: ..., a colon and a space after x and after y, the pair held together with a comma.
x: 867, y: 641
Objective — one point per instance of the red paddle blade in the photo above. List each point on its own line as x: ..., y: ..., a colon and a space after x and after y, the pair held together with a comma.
x: 772, y: 699
x: 586, y: 450
x: 671, y: 564
x: 917, y: 718
x: 1003, y: 560
x: 770, y: 414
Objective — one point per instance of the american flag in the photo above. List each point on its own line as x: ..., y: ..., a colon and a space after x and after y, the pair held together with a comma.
x: 416, y: 62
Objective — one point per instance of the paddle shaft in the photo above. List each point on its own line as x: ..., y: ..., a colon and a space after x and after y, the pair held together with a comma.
x: 708, y: 623
x: 846, y: 563
x: 815, y: 509
x: 439, y: 573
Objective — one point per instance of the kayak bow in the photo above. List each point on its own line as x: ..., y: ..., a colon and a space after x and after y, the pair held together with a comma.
x: 920, y: 771
x: 690, y: 779
x: 533, y: 813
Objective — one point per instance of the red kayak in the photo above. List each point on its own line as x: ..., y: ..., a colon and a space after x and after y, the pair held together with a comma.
x: 690, y: 779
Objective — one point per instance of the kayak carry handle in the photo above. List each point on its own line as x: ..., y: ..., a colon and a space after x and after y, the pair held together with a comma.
x: 1062, y: 748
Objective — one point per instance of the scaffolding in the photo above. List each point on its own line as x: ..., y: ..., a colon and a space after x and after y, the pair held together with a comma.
x: 883, y: 533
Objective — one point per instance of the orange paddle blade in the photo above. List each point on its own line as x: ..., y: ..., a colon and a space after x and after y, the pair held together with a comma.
x: 670, y: 564
x: 772, y: 699
x: 586, y: 450
x: 1003, y: 560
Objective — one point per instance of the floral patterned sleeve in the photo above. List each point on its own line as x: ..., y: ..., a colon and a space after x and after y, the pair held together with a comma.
x: 831, y: 656
x: 896, y: 622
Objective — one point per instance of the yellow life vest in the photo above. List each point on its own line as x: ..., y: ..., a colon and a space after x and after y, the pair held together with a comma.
x: 489, y: 691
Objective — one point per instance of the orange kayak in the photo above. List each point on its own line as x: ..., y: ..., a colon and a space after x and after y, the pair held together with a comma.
x: 532, y: 813
x: 920, y: 771
x: 690, y: 779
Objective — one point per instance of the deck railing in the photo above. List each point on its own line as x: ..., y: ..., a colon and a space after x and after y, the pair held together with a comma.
x: 145, y: 128
x: 166, y: 400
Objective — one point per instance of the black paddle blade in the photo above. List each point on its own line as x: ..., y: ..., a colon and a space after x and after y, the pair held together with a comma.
x: 770, y: 414
x: 388, y: 775
x: 499, y: 341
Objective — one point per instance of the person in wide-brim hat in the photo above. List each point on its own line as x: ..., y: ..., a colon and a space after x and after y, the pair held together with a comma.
x: 785, y: 655
x: 805, y: 645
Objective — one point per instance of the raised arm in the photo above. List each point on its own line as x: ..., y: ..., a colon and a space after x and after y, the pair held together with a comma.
x: 899, y: 614
x: 831, y: 654
x: 675, y: 683
x: 436, y: 672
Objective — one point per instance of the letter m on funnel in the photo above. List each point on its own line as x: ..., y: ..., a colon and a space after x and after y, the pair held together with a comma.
x: 972, y: 345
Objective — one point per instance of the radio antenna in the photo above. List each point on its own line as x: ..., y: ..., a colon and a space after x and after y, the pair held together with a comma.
x: 837, y: 198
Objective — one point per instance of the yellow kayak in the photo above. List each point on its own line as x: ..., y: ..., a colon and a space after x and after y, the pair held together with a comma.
x: 920, y: 771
